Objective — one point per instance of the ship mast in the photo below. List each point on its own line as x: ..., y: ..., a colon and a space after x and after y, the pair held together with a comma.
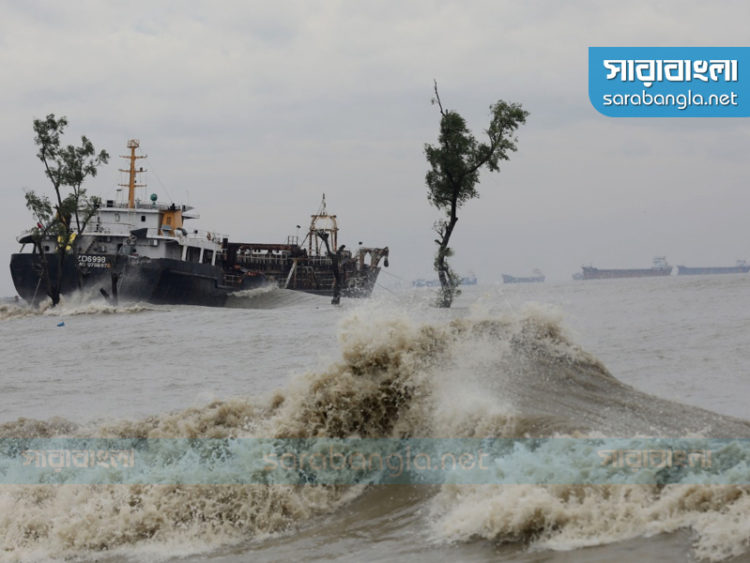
x: 131, y: 185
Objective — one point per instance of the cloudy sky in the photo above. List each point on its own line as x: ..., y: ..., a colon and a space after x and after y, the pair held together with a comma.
x: 251, y: 110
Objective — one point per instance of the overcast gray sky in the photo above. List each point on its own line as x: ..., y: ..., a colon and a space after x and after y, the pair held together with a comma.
x: 251, y: 110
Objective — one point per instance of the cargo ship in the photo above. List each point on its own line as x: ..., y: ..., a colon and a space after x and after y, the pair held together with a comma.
x: 143, y: 251
x: 740, y: 268
x: 660, y: 268
x: 538, y: 277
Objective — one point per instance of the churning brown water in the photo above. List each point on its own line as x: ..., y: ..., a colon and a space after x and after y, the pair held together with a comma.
x: 612, y: 359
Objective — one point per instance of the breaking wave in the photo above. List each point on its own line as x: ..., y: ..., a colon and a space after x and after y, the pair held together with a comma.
x: 10, y: 310
x: 69, y: 305
x: 269, y: 297
x: 503, y: 377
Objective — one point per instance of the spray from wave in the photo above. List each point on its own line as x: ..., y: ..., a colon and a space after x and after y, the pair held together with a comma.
x: 268, y: 297
x: 70, y: 305
x: 507, y: 377
x: 15, y: 311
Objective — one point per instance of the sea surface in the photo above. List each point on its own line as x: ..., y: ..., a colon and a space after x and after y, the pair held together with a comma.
x: 576, y: 360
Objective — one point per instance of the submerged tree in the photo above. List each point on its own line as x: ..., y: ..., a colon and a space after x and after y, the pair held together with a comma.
x: 61, y: 220
x: 454, y: 173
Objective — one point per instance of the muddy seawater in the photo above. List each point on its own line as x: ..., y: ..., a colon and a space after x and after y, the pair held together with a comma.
x: 545, y: 377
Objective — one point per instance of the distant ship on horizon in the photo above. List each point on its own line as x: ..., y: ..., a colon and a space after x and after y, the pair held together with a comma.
x: 660, y: 268
x: 740, y: 268
x: 537, y: 277
x: 471, y: 279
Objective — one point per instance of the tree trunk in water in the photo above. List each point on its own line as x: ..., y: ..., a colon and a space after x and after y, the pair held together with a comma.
x: 447, y: 289
x: 445, y: 299
x: 57, y: 285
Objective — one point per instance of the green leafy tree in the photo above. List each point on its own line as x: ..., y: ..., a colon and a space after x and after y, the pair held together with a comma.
x: 63, y: 218
x: 455, y: 163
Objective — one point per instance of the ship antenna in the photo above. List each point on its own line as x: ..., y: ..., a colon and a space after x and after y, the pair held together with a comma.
x: 322, y: 209
x: 131, y: 185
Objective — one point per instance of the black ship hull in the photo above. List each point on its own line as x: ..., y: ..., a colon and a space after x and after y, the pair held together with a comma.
x: 158, y: 281
x: 291, y: 267
x: 177, y: 282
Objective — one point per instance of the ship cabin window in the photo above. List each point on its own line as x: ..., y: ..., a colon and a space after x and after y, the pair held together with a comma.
x: 46, y: 248
x: 143, y: 218
x: 208, y: 256
x: 193, y: 254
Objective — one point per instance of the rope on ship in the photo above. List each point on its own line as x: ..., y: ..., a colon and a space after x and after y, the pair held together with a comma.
x: 38, y: 283
x: 399, y: 278
x: 383, y: 287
